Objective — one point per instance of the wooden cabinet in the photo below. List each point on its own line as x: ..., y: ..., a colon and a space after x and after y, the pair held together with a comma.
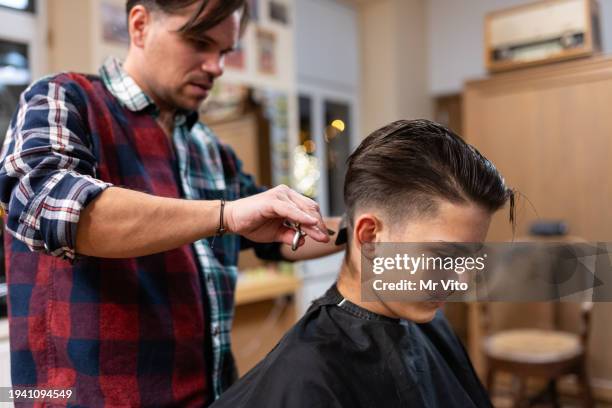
x: 549, y: 132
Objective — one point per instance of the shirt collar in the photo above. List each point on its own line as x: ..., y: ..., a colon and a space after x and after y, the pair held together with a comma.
x: 126, y: 90
x: 123, y: 87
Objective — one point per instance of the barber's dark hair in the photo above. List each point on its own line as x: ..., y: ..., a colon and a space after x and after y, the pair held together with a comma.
x: 199, y: 22
x: 407, y: 166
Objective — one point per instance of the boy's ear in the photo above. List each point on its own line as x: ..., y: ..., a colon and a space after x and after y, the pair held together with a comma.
x: 367, y: 229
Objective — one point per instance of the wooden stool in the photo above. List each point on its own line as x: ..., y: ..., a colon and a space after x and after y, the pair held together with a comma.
x: 548, y: 354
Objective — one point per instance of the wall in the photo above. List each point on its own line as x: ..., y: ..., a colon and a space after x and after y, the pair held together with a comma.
x: 414, y: 100
x: 326, y: 45
x: 455, y: 39
x: 393, y: 37
x: 378, y: 57
x: 284, y: 78
x: 76, y: 39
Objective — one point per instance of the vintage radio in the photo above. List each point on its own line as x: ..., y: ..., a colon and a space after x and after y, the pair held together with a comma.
x: 541, y: 32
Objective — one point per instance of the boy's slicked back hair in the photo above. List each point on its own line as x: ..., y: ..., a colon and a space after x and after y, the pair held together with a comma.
x: 408, y: 166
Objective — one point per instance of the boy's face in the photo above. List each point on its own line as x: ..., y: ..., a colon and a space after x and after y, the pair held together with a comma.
x: 452, y: 223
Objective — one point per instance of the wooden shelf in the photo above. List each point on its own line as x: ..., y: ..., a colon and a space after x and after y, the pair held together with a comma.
x: 267, y: 286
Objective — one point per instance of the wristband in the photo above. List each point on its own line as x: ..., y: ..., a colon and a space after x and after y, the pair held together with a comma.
x: 221, y: 228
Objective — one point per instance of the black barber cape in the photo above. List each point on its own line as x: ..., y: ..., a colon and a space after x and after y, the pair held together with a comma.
x: 341, y: 355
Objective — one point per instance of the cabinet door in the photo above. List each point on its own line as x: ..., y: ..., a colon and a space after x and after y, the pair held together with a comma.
x: 548, y: 132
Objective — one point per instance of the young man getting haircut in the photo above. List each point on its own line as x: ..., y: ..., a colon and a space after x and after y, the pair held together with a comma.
x: 411, y: 181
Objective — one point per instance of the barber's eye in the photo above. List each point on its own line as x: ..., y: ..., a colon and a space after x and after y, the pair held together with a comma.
x: 200, y: 45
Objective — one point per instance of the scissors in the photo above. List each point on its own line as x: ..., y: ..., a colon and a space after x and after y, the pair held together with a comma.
x: 299, y: 233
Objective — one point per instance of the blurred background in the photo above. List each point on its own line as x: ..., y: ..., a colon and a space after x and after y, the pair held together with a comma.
x: 528, y: 83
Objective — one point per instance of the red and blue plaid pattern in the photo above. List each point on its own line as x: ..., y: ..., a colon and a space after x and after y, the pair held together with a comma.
x: 148, y: 331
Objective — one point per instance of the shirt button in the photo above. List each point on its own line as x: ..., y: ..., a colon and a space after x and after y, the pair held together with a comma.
x: 208, y: 278
x: 215, y: 330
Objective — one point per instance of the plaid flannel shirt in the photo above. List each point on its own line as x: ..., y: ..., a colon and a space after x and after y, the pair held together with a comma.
x: 127, y: 332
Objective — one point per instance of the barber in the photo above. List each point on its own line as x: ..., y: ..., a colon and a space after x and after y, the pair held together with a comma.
x: 125, y: 217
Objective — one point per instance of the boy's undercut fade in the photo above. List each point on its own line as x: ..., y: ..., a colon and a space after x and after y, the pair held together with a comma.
x: 200, y: 22
x: 408, y: 166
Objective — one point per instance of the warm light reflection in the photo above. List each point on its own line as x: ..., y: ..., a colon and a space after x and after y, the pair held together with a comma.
x: 310, y: 146
x: 338, y: 124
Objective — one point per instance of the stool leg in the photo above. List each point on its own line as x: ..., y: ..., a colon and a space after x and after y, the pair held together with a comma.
x: 490, y: 381
x: 519, y: 397
x: 554, y: 395
x: 583, y: 380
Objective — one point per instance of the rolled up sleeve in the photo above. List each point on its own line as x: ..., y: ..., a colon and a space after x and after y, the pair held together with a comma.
x: 47, y: 173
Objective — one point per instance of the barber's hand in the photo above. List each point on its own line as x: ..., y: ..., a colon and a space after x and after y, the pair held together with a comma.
x: 261, y: 217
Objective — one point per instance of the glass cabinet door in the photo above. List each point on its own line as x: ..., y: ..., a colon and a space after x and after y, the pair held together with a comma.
x: 338, y: 146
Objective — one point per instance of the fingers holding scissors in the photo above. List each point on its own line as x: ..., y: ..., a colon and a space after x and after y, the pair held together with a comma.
x: 298, y: 235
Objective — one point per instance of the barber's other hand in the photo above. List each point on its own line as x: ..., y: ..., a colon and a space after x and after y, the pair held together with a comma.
x: 261, y: 217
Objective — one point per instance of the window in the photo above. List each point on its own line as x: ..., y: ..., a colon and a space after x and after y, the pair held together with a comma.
x: 14, y: 79
x: 306, y: 169
x: 25, y: 5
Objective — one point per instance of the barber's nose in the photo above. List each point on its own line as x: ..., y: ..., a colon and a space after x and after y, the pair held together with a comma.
x: 213, y: 65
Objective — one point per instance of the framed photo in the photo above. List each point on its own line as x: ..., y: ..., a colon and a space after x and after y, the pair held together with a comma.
x: 236, y: 59
x: 254, y: 10
x: 279, y: 12
x: 114, y: 24
x: 266, y: 52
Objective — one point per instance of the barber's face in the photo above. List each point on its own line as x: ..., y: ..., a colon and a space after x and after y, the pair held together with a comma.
x: 452, y: 223
x: 179, y: 72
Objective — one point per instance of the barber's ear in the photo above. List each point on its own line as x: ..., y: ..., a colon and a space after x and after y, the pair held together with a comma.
x: 138, y: 24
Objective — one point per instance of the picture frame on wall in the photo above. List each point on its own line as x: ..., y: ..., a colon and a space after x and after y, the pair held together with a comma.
x: 279, y: 12
x: 266, y: 52
x: 254, y: 10
x: 236, y: 59
x: 114, y: 24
